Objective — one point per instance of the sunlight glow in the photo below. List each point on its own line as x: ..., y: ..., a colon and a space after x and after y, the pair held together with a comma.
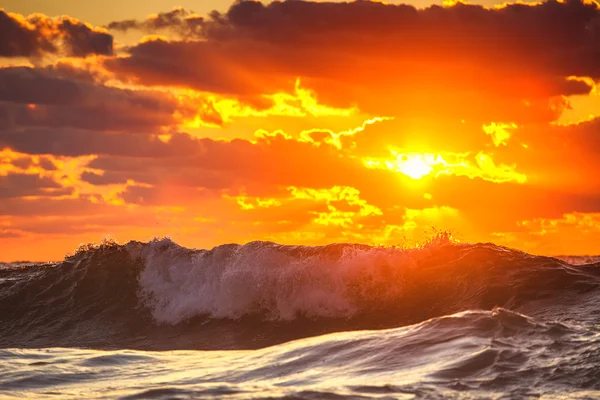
x: 420, y: 165
x: 499, y: 132
x: 415, y: 166
x: 334, y: 198
x: 213, y: 110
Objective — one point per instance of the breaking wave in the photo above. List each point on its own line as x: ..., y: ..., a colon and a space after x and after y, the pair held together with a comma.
x: 159, y: 295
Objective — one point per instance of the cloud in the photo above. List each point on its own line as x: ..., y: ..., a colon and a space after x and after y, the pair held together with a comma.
x: 44, y: 206
x: 509, y: 63
x: 558, y: 156
x: 344, y: 205
x: 71, y: 94
x: 497, y: 207
x: 109, y: 220
x: 164, y: 195
x: 77, y: 69
x: 105, y: 179
x: 420, y: 165
x: 28, y: 85
x: 19, y: 185
x: 11, y: 161
x: 79, y: 142
x: 547, y: 235
x: 499, y: 132
x: 262, y: 168
x: 197, y: 65
x: 216, y: 164
x: 338, y: 214
x: 57, y: 97
x: 584, y: 222
x: 37, y: 34
x: 178, y: 20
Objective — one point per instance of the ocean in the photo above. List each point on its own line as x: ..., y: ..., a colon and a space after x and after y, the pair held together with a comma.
x: 267, y: 321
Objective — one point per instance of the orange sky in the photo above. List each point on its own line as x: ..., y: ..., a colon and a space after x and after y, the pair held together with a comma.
x: 299, y: 122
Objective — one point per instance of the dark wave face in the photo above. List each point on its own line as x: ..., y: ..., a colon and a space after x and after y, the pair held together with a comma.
x: 159, y: 295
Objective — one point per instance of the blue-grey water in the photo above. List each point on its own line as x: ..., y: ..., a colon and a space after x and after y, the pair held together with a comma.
x: 266, y: 321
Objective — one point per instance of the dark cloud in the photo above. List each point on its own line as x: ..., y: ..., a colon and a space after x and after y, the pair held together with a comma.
x: 186, y: 161
x: 17, y: 40
x: 78, y: 142
x: 44, y: 97
x: 26, y: 161
x: 77, y: 72
x: 177, y: 20
x: 81, y: 40
x: 161, y: 196
x: 196, y: 64
x: 219, y: 164
x: 38, y: 34
x: 501, y: 63
x: 107, y: 117
x: 189, y: 161
x: 53, y: 206
x: 10, y: 234
x: 18, y: 185
x: 304, y: 20
x: 106, y: 179
x: 34, y: 86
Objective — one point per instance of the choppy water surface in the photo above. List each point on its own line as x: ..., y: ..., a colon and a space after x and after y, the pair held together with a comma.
x: 262, y: 320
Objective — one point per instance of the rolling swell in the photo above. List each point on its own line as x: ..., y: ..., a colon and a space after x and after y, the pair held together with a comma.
x: 160, y: 295
x: 472, y: 354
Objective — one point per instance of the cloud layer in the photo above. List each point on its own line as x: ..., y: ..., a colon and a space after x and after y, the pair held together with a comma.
x: 38, y: 34
x: 364, y: 51
x: 303, y: 122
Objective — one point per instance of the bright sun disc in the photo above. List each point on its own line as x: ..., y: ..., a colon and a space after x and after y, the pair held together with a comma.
x: 414, y: 166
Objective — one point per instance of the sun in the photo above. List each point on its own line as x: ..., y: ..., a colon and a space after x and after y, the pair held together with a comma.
x: 413, y: 166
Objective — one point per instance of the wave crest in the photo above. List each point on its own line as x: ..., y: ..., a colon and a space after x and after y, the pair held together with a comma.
x: 141, y: 293
x: 278, y: 281
x: 340, y: 280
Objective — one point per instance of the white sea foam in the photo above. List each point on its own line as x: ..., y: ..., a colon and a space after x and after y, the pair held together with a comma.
x: 232, y: 281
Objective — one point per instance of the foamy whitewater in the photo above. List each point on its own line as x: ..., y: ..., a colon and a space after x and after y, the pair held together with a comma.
x: 267, y: 321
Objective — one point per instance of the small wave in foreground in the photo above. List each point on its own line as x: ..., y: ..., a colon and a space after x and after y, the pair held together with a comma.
x: 473, y: 354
